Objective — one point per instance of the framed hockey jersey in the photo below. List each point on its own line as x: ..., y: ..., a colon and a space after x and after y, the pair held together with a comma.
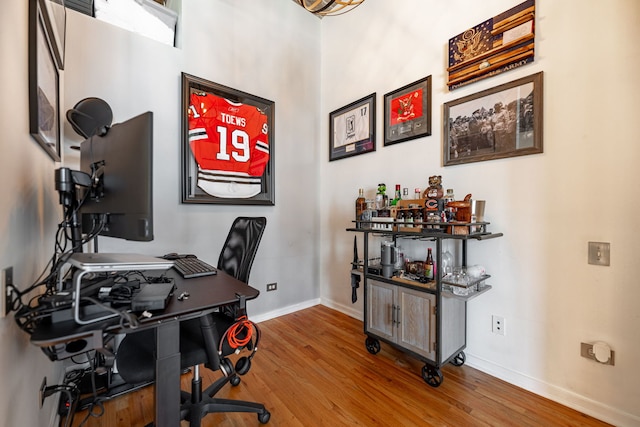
x: 227, y: 145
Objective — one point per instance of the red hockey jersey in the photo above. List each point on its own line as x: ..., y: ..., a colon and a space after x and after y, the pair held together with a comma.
x: 230, y: 144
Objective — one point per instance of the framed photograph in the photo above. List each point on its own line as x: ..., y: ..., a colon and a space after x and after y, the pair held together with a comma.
x: 44, y: 84
x: 352, y: 129
x: 504, y: 121
x: 227, y: 145
x: 407, y: 112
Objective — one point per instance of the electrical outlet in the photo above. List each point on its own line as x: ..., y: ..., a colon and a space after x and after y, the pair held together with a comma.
x: 497, y: 325
x: 6, y: 278
x: 586, y: 350
x: 272, y: 286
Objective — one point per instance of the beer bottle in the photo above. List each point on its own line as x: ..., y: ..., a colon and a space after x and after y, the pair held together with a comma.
x: 361, y: 205
x: 429, y: 267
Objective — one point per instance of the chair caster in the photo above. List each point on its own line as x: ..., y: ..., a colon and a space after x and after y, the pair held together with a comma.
x: 264, y: 417
x: 235, y: 380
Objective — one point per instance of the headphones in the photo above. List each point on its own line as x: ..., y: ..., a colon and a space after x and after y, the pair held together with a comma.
x: 90, y: 116
x: 237, y: 336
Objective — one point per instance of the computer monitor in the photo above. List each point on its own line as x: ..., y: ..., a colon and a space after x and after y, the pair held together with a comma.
x: 120, y: 203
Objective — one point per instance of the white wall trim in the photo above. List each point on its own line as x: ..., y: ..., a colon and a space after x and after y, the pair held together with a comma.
x: 565, y: 397
x: 285, y: 310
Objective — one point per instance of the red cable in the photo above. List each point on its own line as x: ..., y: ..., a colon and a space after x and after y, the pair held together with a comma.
x: 235, y: 331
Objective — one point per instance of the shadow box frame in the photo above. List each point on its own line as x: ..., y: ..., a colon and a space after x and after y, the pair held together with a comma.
x: 44, y: 81
x: 352, y: 129
x: 191, y: 192
x: 473, y: 131
x: 402, y: 123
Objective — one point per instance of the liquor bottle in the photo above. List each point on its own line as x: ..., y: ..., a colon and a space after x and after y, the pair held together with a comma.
x: 408, y: 218
x: 397, y: 196
x: 429, y: 267
x: 400, y: 218
x: 417, y: 218
x: 361, y: 206
x: 380, y: 195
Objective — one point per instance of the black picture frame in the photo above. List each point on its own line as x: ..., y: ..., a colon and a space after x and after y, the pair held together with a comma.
x: 504, y: 121
x: 56, y: 21
x: 227, y: 169
x: 352, y: 129
x: 407, y: 112
x: 44, y: 82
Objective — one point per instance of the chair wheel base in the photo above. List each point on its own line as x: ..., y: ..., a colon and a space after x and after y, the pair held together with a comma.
x: 264, y: 417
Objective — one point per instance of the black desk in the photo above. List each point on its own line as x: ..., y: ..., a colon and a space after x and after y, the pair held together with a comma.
x: 206, y: 294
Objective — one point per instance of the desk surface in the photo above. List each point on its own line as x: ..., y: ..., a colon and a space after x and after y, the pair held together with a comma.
x: 205, y: 293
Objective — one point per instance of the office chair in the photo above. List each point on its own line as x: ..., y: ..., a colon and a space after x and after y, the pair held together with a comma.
x: 205, y: 339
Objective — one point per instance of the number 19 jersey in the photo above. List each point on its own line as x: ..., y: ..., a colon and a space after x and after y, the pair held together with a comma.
x: 229, y: 141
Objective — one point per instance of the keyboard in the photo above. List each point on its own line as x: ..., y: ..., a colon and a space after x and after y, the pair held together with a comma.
x: 190, y: 266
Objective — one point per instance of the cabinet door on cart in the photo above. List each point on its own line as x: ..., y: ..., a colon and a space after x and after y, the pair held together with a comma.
x: 417, y: 321
x: 380, y: 309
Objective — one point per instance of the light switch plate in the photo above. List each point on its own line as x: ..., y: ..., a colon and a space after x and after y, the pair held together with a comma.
x: 599, y: 253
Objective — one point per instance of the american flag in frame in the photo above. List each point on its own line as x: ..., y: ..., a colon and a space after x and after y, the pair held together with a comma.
x: 494, y: 46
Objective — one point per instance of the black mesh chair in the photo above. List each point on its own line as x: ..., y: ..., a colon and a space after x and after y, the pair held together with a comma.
x: 203, y: 340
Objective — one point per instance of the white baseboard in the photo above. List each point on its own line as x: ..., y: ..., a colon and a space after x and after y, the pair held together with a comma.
x: 285, y: 310
x: 557, y: 394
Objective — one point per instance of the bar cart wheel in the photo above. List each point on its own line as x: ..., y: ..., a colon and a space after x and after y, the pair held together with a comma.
x: 432, y: 376
x: 373, y: 345
x: 459, y: 359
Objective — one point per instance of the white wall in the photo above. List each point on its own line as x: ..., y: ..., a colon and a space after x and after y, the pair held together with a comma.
x: 548, y: 205
x: 28, y: 214
x: 270, y: 49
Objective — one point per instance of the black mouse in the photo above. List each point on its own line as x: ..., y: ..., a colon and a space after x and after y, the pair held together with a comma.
x: 171, y: 255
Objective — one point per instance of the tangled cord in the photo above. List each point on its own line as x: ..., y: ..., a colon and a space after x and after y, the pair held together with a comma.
x: 240, y: 333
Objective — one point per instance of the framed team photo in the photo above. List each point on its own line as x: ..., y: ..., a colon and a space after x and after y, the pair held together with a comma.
x: 227, y: 145
x: 352, y: 129
x: 500, y: 122
x: 407, y: 112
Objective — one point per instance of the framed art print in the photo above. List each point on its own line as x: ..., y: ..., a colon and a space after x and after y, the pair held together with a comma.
x: 227, y: 145
x: 44, y: 86
x: 352, y: 129
x: 407, y: 112
x: 500, y: 122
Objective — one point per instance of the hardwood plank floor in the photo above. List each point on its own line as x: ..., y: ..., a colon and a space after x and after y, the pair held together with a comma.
x: 312, y: 369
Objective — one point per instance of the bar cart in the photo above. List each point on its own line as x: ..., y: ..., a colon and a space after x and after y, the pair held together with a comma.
x: 424, y: 318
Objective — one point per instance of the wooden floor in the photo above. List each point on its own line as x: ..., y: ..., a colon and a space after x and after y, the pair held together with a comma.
x: 312, y: 369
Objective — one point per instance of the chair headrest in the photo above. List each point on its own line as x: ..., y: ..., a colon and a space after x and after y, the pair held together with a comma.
x: 90, y: 116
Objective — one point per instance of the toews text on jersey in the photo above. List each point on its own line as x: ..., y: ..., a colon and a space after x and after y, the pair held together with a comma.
x: 230, y: 143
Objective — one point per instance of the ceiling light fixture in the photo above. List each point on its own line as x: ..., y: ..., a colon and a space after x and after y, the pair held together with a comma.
x: 329, y: 7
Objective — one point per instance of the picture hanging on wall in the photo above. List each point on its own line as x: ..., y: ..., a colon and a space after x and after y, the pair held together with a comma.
x: 227, y: 145
x: 496, y: 45
x: 504, y: 121
x: 57, y: 27
x: 44, y: 82
x: 352, y: 129
x: 407, y: 112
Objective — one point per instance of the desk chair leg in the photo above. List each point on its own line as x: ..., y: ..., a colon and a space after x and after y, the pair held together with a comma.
x: 200, y: 403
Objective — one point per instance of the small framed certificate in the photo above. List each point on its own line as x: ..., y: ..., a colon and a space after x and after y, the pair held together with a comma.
x: 352, y: 129
x: 407, y: 112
